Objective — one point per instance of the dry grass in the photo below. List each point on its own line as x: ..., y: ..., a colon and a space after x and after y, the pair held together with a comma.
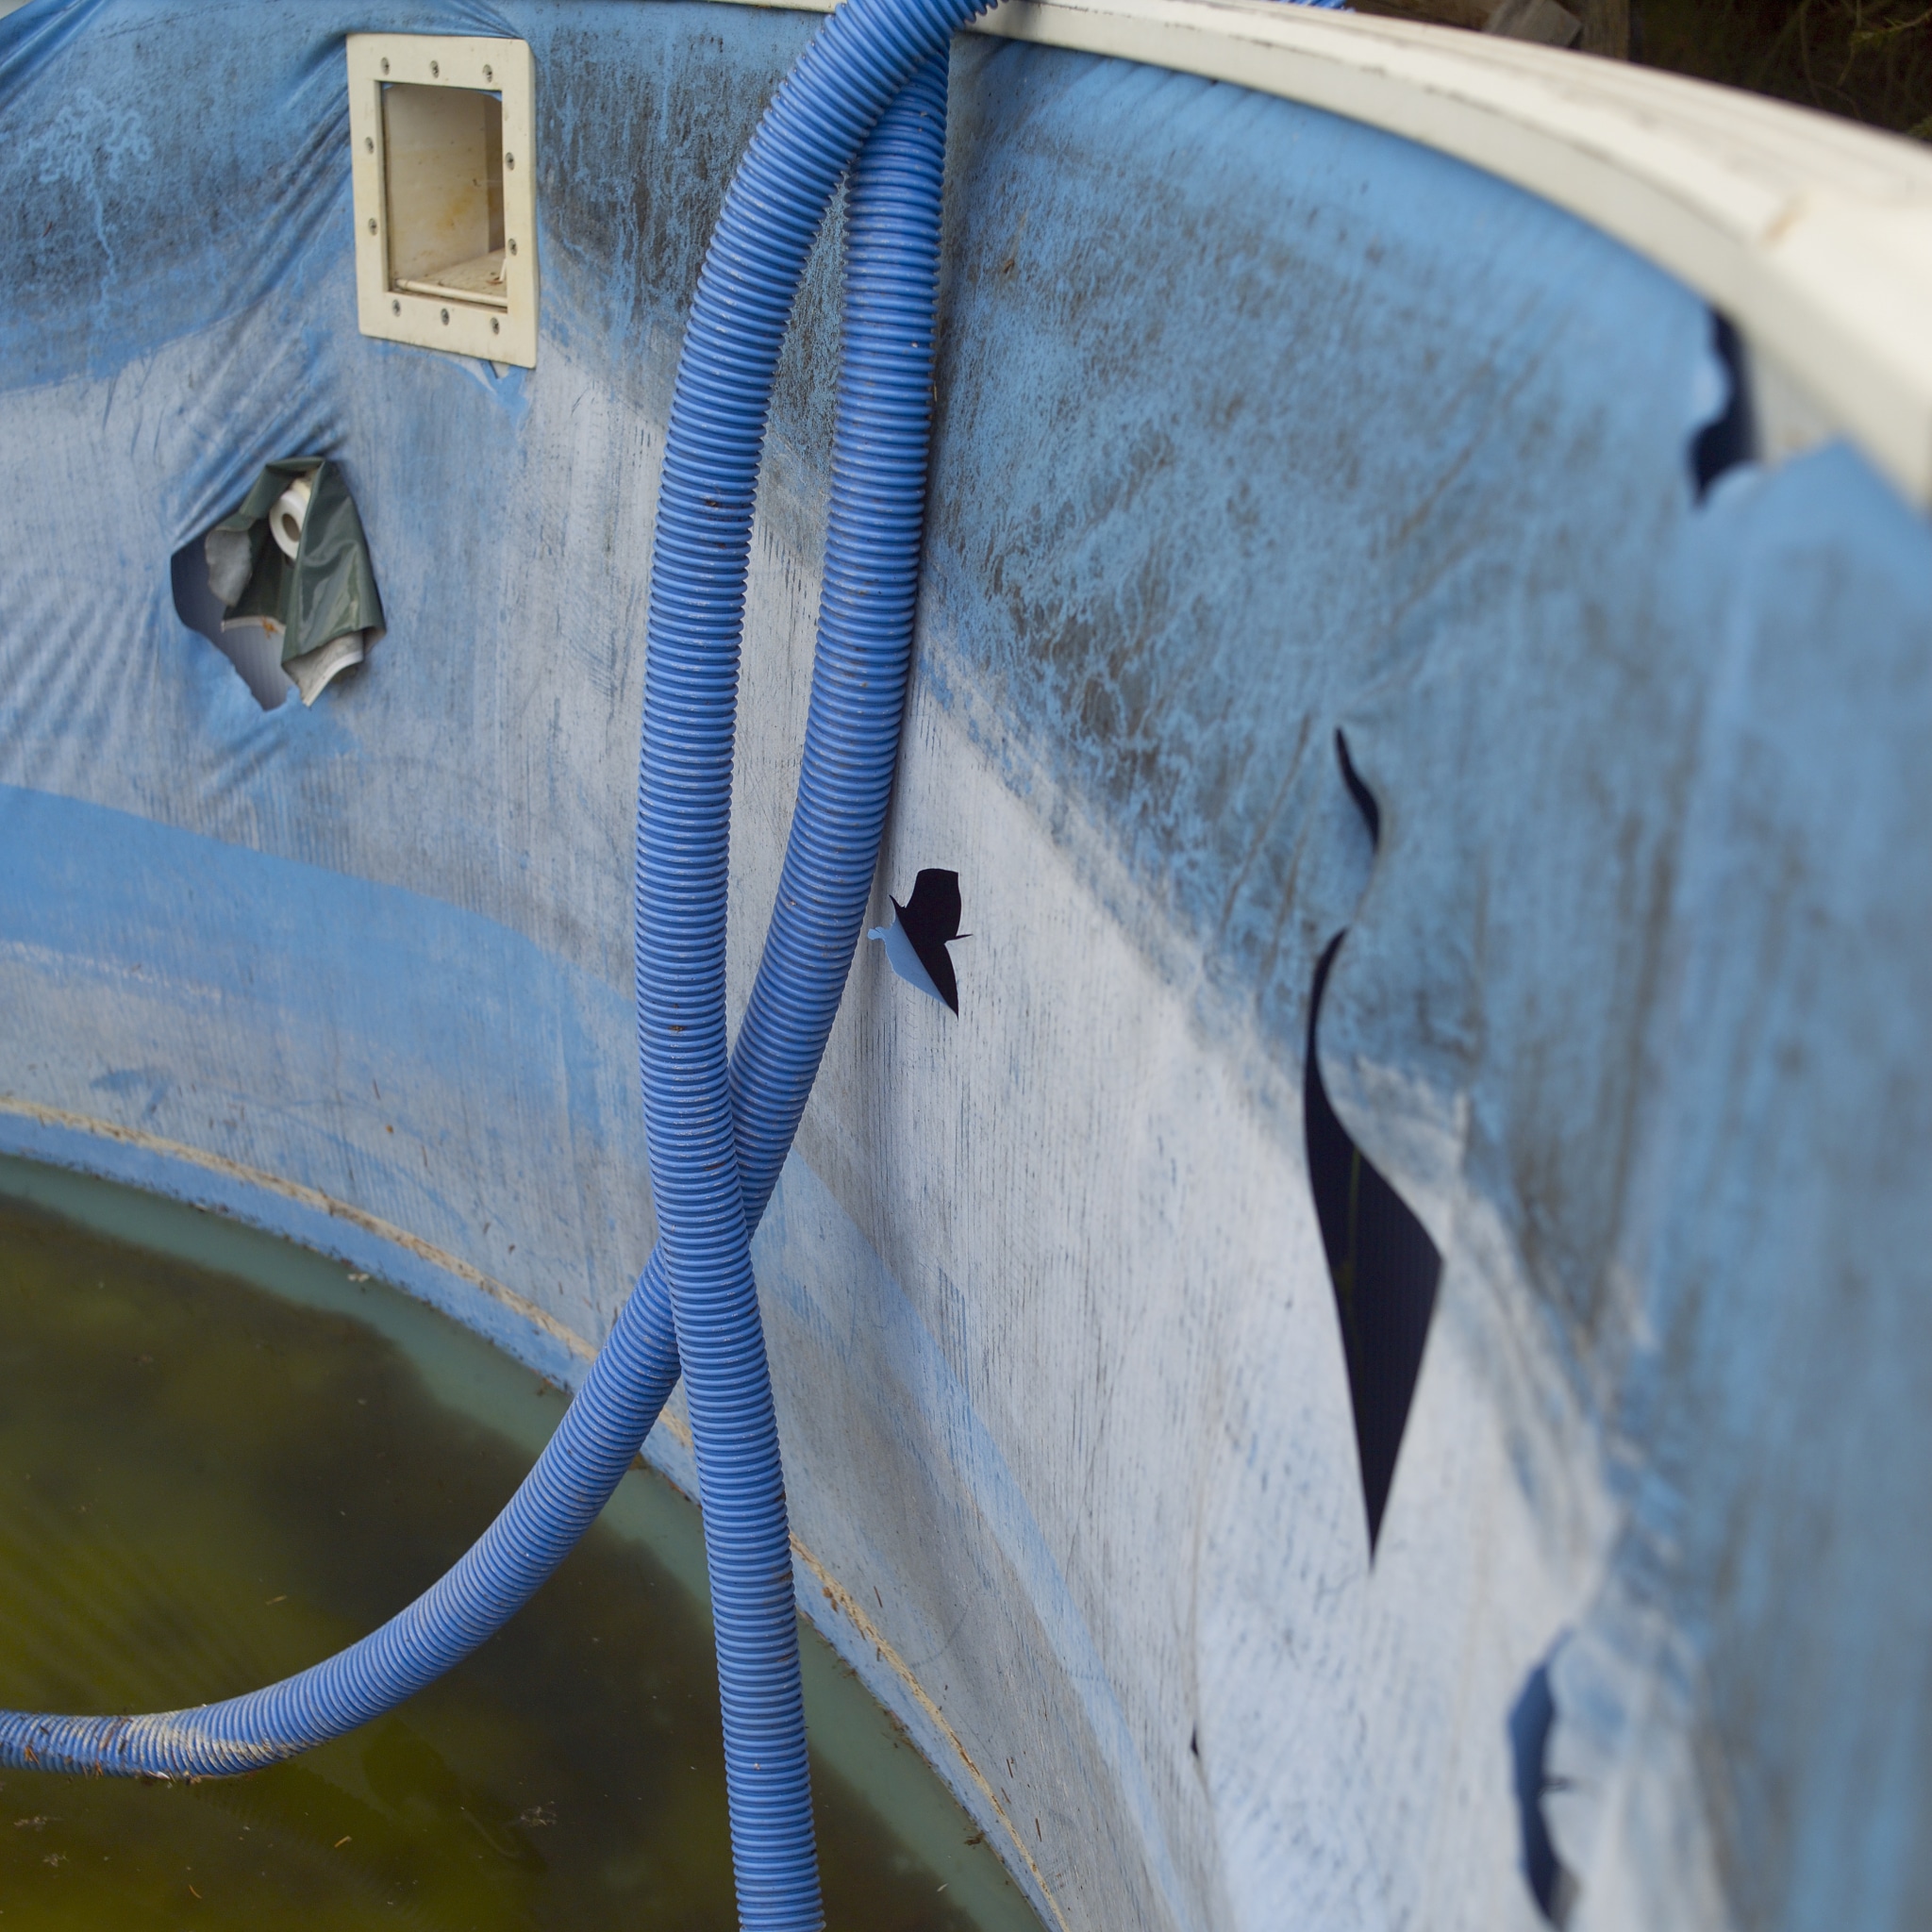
x: 1868, y: 59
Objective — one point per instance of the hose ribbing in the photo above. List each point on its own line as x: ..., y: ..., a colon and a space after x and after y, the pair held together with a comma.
x: 810, y: 134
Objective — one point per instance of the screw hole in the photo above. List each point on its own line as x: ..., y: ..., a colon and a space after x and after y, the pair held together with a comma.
x: 435, y: 70
x: 495, y: 327
x: 371, y: 225
x: 396, y: 307
x: 369, y: 143
x: 513, y: 244
x: 489, y: 74
x: 446, y: 315
x: 509, y: 160
x: 385, y: 66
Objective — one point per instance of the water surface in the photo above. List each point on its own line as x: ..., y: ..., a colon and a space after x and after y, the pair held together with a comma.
x: 206, y: 1485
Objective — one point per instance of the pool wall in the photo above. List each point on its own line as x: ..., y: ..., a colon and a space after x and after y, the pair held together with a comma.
x: 1255, y: 425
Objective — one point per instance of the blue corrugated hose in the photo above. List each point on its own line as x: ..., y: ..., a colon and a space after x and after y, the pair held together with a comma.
x: 709, y: 1178
x: 810, y: 133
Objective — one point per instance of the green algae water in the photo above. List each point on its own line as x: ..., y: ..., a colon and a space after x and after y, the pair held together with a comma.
x: 222, y: 1459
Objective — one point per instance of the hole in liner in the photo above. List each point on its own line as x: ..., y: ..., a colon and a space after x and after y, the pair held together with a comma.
x: 1531, y: 1719
x: 254, y: 652
x: 1381, y: 1261
x: 920, y: 931
x: 1365, y: 798
x: 1730, y: 437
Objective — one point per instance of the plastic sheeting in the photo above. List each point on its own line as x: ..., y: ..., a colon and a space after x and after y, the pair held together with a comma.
x: 1253, y: 425
x: 325, y: 593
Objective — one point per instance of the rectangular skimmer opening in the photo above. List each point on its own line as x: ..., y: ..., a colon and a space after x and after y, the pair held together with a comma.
x: 444, y: 183
x: 444, y: 169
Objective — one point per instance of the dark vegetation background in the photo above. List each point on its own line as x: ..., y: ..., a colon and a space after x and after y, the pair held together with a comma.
x: 1868, y: 59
